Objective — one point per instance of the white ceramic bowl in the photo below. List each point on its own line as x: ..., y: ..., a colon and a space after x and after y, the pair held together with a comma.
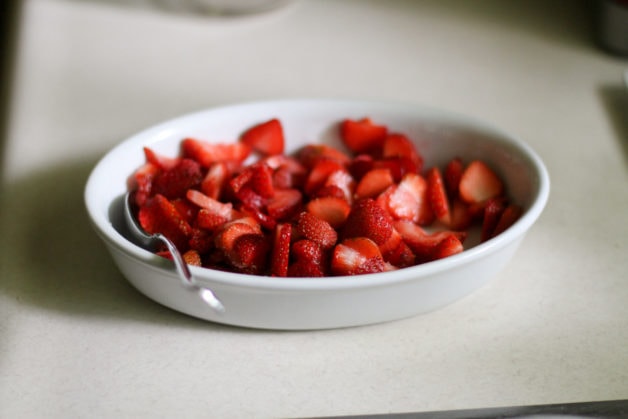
x: 317, y: 303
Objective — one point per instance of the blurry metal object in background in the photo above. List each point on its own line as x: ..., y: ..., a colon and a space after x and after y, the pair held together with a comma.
x: 9, y: 24
x: 612, y: 26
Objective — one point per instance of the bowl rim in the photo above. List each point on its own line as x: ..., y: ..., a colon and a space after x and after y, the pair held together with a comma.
x: 105, y: 229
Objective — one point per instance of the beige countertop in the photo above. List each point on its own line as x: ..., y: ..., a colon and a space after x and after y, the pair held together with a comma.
x: 76, y: 340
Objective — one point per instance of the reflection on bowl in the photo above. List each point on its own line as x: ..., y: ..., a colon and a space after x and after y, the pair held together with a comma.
x: 315, y: 303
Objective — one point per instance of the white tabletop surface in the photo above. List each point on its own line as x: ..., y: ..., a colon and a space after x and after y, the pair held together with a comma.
x: 76, y: 340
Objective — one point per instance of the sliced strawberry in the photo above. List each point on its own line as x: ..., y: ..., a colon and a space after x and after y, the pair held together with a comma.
x: 311, y: 227
x: 229, y: 232
x: 266, y: 138
x: 215, y: 179
x: 492, y: 212
x: 328, y: 191
x: 187, y: 210
x: 408, y: 200
x: 450, y: 245
x: 344, y: 181
x: 305, y: 269
x: 399, y: 145
x: 159, y: 160
x: 310, y: 154
x: 265, y: 220
x: 175, y: 182
x: 319, y: 174
x: 192, y: 257
x: 368, y: 219
x: 284, y: 204
x: 423, y: 244
x: 355, y: 256
x: 332, y: 209
x: 452, y: 175
x: 258, y: 177
x: 511, y: 214
x: 360, y: 165
x: 362, y: 136
x: 461, y: 215
x: 201, y: 240
x: 249, y: 253
x: 437, y: 195
x: 142, y: 182
x: 159, y: 215
x: 288, y: 172
x: 207, y: 153
x: 398, y: 166
x: 373, y: 183
x: 479, y: 183
x: 306, y: 249
x: 281, y: 250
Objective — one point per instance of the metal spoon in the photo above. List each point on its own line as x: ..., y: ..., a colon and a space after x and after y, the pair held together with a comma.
x: 150, y: 241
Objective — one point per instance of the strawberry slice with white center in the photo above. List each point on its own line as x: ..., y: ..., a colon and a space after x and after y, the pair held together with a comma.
x: 332, y: 209
x: 207, y: 153
x: 281, y: 250
x: 373, y: 183
x: 479, y: 183
x: 437, y: 195
x: 313, y: 228
x: 355, y: 256
x: 266, y: 138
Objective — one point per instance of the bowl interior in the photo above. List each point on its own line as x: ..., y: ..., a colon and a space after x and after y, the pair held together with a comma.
x: 439, y: 136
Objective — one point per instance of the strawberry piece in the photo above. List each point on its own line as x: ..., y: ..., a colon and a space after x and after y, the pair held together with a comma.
x: 344, y: 181
x: 206, y: 153
x: 373, y: 183
x: 201, y: 240
x: 408, y: 200
x: 192, y: 257
x: 288, y: 172
x: 319, y: 174
x: 284, y: 204
x: 492, y: 212
x: 306, y: 249
x: 360, y: 165
x: 310, y: 154
x: 479, y: 183
x: 452, y: 175
x: 368, y: 219
x: 265, y: 220
x: 450, y: 245
x: 461, y: 216
x: 356, y: 256
x: 281, y: 250
x: 396, y: 252
x: 214, y: 181
x: 424, y: 245
x: 258, y: 177
x: 311, y: 227
x: 187, y: 210
x: 230, y: 231
x: 142, y: 182
x: 266, y: 138
x: 305, y: 269
x: 159, y: 215
x: 398, y: 166
x: 329, y: 190
x: 161, y: 161
x: 362, y: 136
x: 175, y: 182
x: 332, y: 209
x: 437, y: 195
x: 508, y: 218
x: 249, y: 253
x: 399, y: 145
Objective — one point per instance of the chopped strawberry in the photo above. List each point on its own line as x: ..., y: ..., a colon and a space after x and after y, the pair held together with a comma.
x: 175, y: 182
x: 362, y: 136
x: 230, y: 231
x: 310, y: 154
x: 311, y: 227
x: 360, y: 165
x: 192, y: 257
x: 437, y: 195
x: 356, y: 256
x: 461, y: 216
x: 328, y: 191
x: 305, y: 269
x: 479, y: 183
x: 306, y: 249
x: 284, y: 204
x: 399, y: 145
x: 452, y: 175
x: 408, y: 200
x: 398, y: 166
x: 423, y: 244
x: 492, y: 212
x: 344, y: 181
x: 265, y: 138
x: 319, y: 174
x: 249, y: 253
x: 368, y: 219
x: 448, y: 246
x: 215, y: 179
x: 159, y: 215
x: 332, y: 209
x: 187, y: 210
x: 508, y: 218
x: 142, y: 182
x: 201, y: 240
x: 288, y: 172
x: 207, y: 153
x: 159, y: 160
x: 259, y: 177
x: 281, y: 250
x: 373, y: 183
x: 260, y: 216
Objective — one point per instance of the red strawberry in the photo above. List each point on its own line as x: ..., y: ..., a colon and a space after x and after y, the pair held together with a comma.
x: 362, y: 136
x: 355, y: 256
x: 311, y: 227
x: 192, y: 257
x: 448, y: 246
x: 438, y: 196
x: 229, y: 232
x: 329, y: 191
x: 201, y: 240
x: 284, y: 204
x: 461, y: 215
x: 159, y: 215
x: 142, y: 182
x: 508, y: 218
x: 479, y: 183
x: 266, y: 138
x: 258, y: 177
x: 214, y: 181
x: 319, y: 174
x: 344, y: 181
x: 305, y: 269
x: 368, y: 219
x: 249, y: 253
x: 332, y: 209
x: 373, y: 183
x: 207, y: 153
x: 281, y: 250
x: 288, y: 172
x: 360, y: 165
x: 306, y: 249
x: 424, y: 245
x: 398, y: 145
x: 408, y: 200
x: 260, y: 216
x: 492, y: 212
x: 161, y: 161
x: 310, y: 154
x: 452, y: 175
x: 175, y: 182
x: 398, y: 166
